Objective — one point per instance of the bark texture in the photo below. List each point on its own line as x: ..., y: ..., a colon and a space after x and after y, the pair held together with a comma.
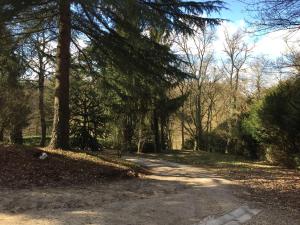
x: 60, y: 130
x: 41, y: 102
x: 1, y: 134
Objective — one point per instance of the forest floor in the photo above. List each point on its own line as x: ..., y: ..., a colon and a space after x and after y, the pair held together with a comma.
x: 22, y: 168
x: 170, y: 193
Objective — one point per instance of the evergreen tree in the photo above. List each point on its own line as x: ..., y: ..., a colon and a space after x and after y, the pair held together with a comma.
x: 14, y: 108
x: 97, y: 21
x: 88, y: 116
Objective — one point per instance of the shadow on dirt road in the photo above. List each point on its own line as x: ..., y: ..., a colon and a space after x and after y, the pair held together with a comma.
x: 172, y: 194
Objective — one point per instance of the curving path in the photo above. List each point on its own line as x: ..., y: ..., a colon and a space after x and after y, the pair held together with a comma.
x: 173, y: 194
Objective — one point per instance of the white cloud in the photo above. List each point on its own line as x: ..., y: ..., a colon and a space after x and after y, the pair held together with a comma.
x: 275, y: 44
x: 231, y: 28
x: 272, y: 44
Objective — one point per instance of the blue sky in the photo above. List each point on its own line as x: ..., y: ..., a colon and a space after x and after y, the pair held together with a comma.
x: 235, y: 11
x: 272, y: 44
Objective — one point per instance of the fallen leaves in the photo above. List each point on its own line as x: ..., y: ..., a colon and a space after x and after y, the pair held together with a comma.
x: 20, y: 168
x: 273, y: 186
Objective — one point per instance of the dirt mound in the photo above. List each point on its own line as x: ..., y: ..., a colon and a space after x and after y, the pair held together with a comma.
x: 21, y: 167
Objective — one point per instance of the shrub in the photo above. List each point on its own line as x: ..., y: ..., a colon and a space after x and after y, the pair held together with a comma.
x: 277, y: 156
x: 280, y: 116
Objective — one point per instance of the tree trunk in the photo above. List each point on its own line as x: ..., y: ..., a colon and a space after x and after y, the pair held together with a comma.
x: 162, y: 133
x: 60, y: 130
x: 16, y: 136
x: 156, y: 132
x: 228, y: 141
x: 41, y: 104
x: 198, y: 124
x: 124, y: 143
x: 182, y: 129
x: 128, y: 132
x: 195, y: 144
x: 169, y: 135
x: 140, y: 135
x: 1, y: 134
x: 209, y: 125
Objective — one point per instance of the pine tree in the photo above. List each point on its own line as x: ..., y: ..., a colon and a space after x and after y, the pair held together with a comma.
x: 14, y: 108
x: 97, y: 21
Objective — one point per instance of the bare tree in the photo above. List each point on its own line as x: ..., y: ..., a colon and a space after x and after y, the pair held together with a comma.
x: 237, y: 52
x: 39, y: 60
x: 275, y: 14
x: 289, y: 63
x: 212, y: 96
x: 183, y: 89
x: 198, y: 53
x: 260, y: 68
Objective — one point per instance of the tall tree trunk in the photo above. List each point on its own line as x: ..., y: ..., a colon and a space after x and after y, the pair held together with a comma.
x: 140, y: 135
x: 169, y: 135
x: 198, y: 124
x: 182, y: 128
x: 156, y: 132
x: 235, y: 92
x: 1, y: 134
x: 60, y: 130
x: 124, y: 142
x: 128, y: 132
x: 235, y: 109
x: 162, y: 133
x: 208, y: 125
x: 41, y: 103
x: 16, y: 135
x: 231, y: 107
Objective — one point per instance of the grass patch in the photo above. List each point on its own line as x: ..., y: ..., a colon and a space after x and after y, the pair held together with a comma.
x: 202, y: 158
x: 34, y: 140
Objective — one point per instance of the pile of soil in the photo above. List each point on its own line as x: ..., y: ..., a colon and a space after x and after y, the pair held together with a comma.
x: 21, y: 167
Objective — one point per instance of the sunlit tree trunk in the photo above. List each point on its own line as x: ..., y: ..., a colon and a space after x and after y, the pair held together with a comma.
x: 169, y: 135
x: 198, y: 119
x: 140, y: 134
x: 60, y: 130
x: 209, y: 125
x: 182, y: 128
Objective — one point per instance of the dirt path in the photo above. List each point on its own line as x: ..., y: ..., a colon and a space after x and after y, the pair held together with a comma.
x: 172, y: 195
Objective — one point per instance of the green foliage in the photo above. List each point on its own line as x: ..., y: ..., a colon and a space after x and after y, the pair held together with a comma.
x: 281, y: 114
x: 14, y: 110
x: 189, y: 144
x: 88, y: 117
x: 251, y: 124
x: 273, y: 124
x: 34, y: 140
